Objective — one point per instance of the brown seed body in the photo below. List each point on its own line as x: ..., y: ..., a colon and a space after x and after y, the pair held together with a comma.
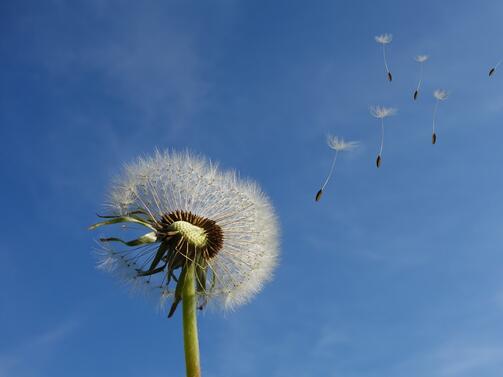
x: 319, y: 195
x: 416, y: 94
x: 434, y: 138
x: 390, y: 78
x: 491, y: 71
x: 378, y: 160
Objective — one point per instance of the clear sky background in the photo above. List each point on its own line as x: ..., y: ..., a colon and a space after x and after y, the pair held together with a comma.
x: 396, y: 272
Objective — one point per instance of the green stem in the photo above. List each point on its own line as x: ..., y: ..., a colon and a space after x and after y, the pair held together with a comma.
x: 191, y: 342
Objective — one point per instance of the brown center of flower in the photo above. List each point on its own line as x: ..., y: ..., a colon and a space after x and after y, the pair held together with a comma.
x: 191, y: 233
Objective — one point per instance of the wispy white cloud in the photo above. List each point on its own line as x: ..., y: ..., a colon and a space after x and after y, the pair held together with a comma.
x: 149, y: 59
x: 27, y: 357
x: 456, y: 359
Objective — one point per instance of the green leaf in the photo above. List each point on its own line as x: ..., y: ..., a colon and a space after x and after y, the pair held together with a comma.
x: 178, y: 292
x: 213, y: 280
x: 146, y: 238
x: 201, y: 278
x: 201, y: 271
x: 158, y: 256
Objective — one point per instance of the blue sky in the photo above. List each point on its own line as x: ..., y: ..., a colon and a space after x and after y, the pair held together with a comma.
x: 396, y: 271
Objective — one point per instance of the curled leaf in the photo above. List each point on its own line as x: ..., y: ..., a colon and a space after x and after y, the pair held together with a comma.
x: 201, y: 271
x: 146, y: 238
x: 178, y: 292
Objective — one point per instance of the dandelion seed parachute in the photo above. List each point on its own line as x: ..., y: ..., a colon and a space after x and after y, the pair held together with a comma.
x: 196, y: 213
x: 420, y: 59
x: 381, y: 112
x: 338, y: 145
x: 385, y: 39
x: 440, y: 95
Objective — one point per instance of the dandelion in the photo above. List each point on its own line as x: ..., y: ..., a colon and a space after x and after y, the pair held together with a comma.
x: 420, y: 59
x: 440, y: 95
x: 381, y: 112
x: 385, y: 39
x: 338, y: 145
x: 211, y: 237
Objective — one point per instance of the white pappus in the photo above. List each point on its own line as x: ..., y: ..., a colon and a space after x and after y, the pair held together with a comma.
x: 381, y: 112
x: 385, y: 39
x: 338, y: 145
x: 420, y: 59
x: 196, y: 213
x: 440, y: 95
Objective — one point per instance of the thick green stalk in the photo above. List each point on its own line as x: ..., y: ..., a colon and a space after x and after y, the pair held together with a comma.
x: 191, y: 341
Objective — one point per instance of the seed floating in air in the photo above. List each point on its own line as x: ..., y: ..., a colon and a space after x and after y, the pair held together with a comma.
x: 440, y: 95
x: 420, y: 59
x: 385, y: 39
x: 381, y: 112
x: 338, y: 145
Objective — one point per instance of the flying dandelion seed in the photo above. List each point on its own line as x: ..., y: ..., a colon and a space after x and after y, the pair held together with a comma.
x: 420, y: 59
x: 381, y: 112
x: 492, y: 71
x: 338, y: 145
x: 385, y: 39
x: 440, y: 95
x: 211, y: 237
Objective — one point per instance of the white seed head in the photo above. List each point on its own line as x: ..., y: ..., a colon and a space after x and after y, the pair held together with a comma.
x: 170, y: 182
x: 421, y: 58
x: 441, y: 94
x: 381, y: 112
x: 339, y: 144
x: 384, y: 38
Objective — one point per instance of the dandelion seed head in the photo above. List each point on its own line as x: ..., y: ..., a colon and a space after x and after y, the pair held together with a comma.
x: 384, y: 38
x: 421, y: 58
x: 205, y: 215
x: 339, y: 144
x: 441, y: 94
x: 381, y: 112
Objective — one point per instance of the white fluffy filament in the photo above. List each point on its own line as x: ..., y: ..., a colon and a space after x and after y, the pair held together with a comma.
x: 384, y: 57
x: 330, y: 172
x: 171, y: 181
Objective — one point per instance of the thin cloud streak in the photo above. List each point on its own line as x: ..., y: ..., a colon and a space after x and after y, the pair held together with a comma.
x: 28, y: 356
